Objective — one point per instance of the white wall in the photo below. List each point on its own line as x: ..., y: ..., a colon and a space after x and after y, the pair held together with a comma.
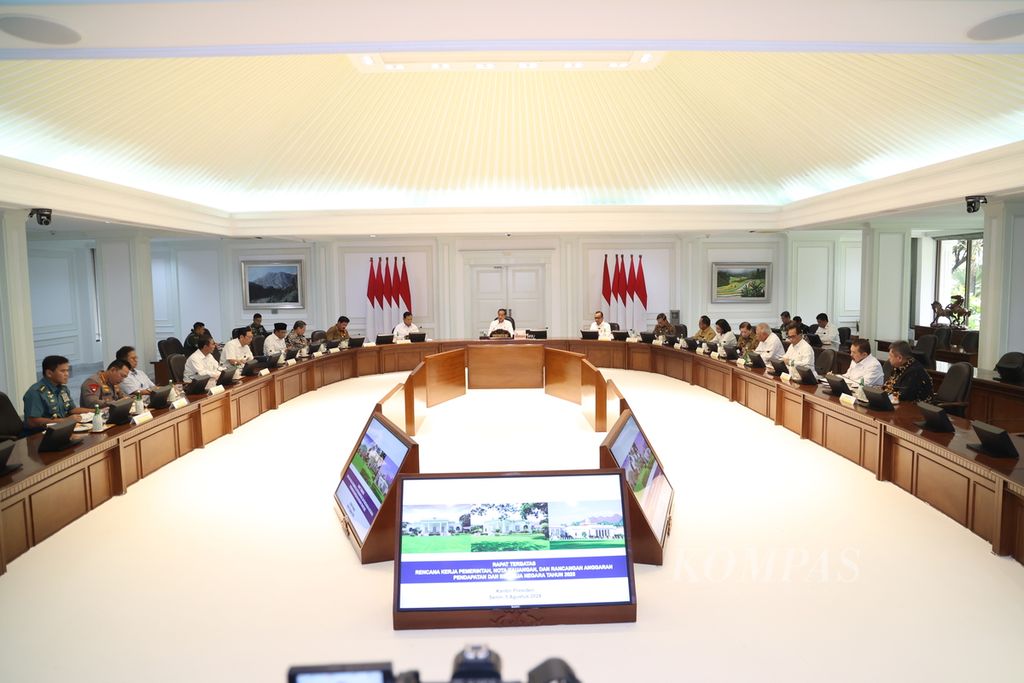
x: 63, y: 295
x: 825, y: 276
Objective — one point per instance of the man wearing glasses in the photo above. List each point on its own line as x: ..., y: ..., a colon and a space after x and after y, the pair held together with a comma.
x: 603, y: 329
x: 799, y: 352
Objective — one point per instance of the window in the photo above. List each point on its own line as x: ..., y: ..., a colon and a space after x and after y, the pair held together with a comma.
x: 958, y: 267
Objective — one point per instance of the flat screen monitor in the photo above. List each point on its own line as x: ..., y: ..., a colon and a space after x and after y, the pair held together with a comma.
x: 342, y: 673
x: 551, y: 543
x: 415, y: 337
x: 935, y: 418
x: 588, y: 334
x: 158, y: 397
x: 644, y: 475
x: 619, y: 335
x: 356, y: 342
x: 369, y: 474
x: 692, y: 343
x: 384, y: 339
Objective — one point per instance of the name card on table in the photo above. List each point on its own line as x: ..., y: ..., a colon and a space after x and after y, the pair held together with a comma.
x: 219, y: 389
x: 317, y: 354
x: 290, y: 361
x: 369, y: 343
x: 142, y: 418
x: 714, y: 354
x: 179, y: 402
x: 740, y: 362
x: 334, y: 350
x: 847, y: 400
x: 677, y: 345
x: 634, y: 340
x: 264, y: 372
x: 785, y: 377
x: 403, y: 341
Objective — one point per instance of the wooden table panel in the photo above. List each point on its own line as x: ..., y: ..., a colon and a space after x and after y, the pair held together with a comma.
x: 214, y: 418
x: 16, y: 539
x: 445, y: 376
x: 983, y: 506
x: 102, y: 477
x: 562, y: 374
x: 638, y: 356
x: 367, y: 361
x: 58, y: 504
x: 157, y: 449
x: 943, y: 488
x: 505, y: 367
x: 594, y: 396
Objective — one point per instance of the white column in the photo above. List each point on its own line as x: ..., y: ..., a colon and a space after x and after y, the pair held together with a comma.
x: 885, y: 283
x: 1002, y: 282
x: 18, y: 368
x: 125, y: 291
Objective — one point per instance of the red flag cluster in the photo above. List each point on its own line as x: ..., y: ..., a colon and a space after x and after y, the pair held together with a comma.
x: 624, y: 293
x: 387, y: 295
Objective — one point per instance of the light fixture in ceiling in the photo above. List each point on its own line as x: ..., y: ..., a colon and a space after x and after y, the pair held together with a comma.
x: 999, y: 28
x: 595, y: 60
x: 38, y: 30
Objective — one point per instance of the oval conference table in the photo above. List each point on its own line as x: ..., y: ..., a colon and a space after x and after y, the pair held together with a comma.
x: 984, y: 494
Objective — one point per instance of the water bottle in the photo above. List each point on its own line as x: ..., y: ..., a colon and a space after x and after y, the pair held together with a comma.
x: 97, y: 421
x: 860, y: 391
x: 140, y: 407
x: 172, y: 394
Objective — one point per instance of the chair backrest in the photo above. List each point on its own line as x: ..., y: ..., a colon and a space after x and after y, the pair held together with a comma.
x: 176, y: 367
x: 161, y: 348
x: 886, y: 369
x: 681, y: 331
x: 256, y: 345
x: 812, y: 329
x: 613, y: 326
x: 969, y: 343
x: 173, y: 345
x: 956, y: 386
x: 825, y: 362
x: 10, y: 421
x: 924, y: 350
x: 317, y: 336
x: 942, y: 337
x: 845, y: 335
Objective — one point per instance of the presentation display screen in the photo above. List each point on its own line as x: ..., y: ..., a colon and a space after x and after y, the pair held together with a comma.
x: 470, y: 542
x: 369, y: 474
x: 342, y: 673
x: 644, y: 475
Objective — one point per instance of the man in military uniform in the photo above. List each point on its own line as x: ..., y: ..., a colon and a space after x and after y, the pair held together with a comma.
x: 104, y: 387
x: 192, y: 340
x: 257, y: 326
x: 49, y: 399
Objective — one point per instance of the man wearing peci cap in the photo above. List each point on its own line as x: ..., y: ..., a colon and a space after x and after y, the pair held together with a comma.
x: 275, y: 343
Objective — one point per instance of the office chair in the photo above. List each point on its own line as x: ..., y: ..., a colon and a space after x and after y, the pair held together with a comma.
x: 924, y: 351
x: 969, y: 343
x: 173, y: 345
x: 614, y: 326
x: 256, y: 346
x: 11, y: 425
x: 161, y: 348
x: 955, y: 389
x: 681, y: 331
x: 845, y: 337
x: 812, y: 329
x: 825, y: 362
x: 176, y: 367
x: 1011, y: 366
x: 942, y: 337
x: 317, y: 337
x: 886, y: 369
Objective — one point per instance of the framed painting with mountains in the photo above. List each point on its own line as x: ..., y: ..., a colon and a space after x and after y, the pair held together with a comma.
x: 272, y: 284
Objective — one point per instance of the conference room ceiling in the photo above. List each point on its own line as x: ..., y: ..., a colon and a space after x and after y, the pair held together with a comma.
x: 283, y: 121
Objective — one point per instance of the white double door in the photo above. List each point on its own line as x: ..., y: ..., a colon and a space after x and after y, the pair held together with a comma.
x: 517, y: 287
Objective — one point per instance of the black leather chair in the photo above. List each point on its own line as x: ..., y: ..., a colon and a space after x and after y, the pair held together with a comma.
x: 924, y: 351
x: 511, y: 320
x: 11, y: 426
x: 812, y: 329
x: 845, y: 337
x: 318, y: 337
x: 256, y: 345
x: 176, y: 367
x: 825, y: 362
x: 681, y: 331
x: 614, y: 327
x: 173, y: 345
x: 886, y: 369
x: 161, y: 348
x: 955, y: 389
x: 1011, y: 366
x: 969, y: 343
x: 943, y: 335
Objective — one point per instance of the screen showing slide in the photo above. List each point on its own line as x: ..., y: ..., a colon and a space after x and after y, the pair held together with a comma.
x: 366, y: 480
x: 342, y: 677
x: 513, y: 541
x: 643, y: 475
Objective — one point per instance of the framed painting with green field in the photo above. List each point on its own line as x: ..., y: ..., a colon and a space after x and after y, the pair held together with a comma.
x: 736, y: 283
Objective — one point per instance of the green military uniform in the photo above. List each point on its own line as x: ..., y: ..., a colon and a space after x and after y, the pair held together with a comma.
x: 258, y: 330
x: 46, y: 399
x: 97, y: 391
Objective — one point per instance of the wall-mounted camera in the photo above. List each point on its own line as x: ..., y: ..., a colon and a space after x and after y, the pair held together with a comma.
x: 974, y: 202
x: 43, y: 216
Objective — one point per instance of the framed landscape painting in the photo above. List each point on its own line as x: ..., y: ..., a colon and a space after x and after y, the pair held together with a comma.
x: 272, y: 284
x: 735, y: 283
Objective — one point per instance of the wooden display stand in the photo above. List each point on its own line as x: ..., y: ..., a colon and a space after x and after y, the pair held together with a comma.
x: 379, y: 545
x: 648, y: 543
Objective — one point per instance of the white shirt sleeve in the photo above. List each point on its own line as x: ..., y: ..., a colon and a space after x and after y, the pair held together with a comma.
x: 273, y: 345
x: 829, y: 336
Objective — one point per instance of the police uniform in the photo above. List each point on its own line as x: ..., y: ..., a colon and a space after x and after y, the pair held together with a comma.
x: 46, y: 399
x: 96, y: 391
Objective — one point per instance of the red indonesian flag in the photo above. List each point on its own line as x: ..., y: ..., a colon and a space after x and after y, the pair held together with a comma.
x: 631, y: 281
x: 396, y: 286
x: 615, y: 283
x: 370, y: 281
x: 606, y: 285
x: 622, y: 279
x: 641, y: 284
x: 388, y: 285
x: 378, y: 286
x: 403, y: 288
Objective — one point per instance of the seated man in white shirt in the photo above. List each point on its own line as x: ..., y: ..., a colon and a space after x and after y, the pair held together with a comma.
x: 603, y: 329
x: 864, y: 367
x: 406, y: 327
x: 769, y: 346
x: 202, y: 362
x: 799, y: 352
x: 501, y: 323
x: 275, y: 343
x: 827, y: 333
x: 237, y: 352
x: 136, y: 381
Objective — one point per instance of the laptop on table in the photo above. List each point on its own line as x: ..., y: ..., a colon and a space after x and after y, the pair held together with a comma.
x: 158, y: 397
x: 290, y: 354
x: 691, y: 343
x: 57, y: 437
x: 935, y: 418
x: 878, y: 399
x: 355, y: 342
x: 837, y: 386
x: 806, y: 374
x: 417, y: 337
x: 756, y: 361
x: 588, y: 334
x: 120, y: 411
x: 385, y: 339
x: 731, y: 352
x: 779, y: 367
x: 197, y: 386
x: 619, y: 335
x: 227, y: 377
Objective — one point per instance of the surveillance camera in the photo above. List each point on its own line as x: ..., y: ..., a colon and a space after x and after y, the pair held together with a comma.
x: 974, y: 202
x: 508, y: 234
x: 43, y: 216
